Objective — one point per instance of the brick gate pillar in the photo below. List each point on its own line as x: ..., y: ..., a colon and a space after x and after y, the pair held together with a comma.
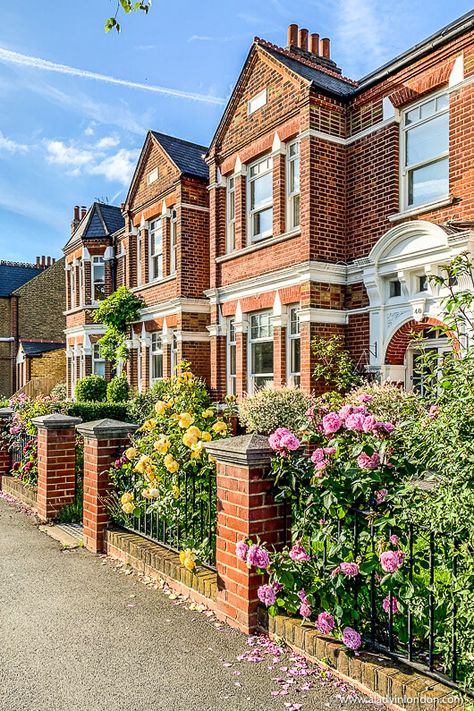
x: 103, y: 443
x: 245, y: 509
x: 6, y: 414
x: 56, y: 463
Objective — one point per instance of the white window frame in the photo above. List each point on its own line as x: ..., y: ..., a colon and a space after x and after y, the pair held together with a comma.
x: 72, y: 287
x: 231, y: 346
x: 173, y: 241
x: 139, y: 257
x: 152, y: 176
x: 139, y: 366
x: 81, y: 284
x: 293, y: 334
x: 173, y: 353
x: 97, y: 261
x: 155, y: 227
x: 97, y: 360
x: 156, y: 350
x: 230, y: 214
x: 292, y: 196
x: 254, y: 340
x: 256, y: 102
x: 406, y: 169
x: 252, y: 212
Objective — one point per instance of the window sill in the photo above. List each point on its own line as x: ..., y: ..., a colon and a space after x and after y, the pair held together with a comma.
x: 155, y: 282
x: 420, y: 209
x: 78, y: 309
x: 268, y: 242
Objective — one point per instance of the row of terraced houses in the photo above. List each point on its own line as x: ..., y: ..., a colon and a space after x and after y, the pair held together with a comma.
x: 321, y: 206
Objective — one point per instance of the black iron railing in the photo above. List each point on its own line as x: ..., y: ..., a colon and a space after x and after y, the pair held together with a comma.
x: 422, y: 630
x: 187, y: 521
x: 17, y: 448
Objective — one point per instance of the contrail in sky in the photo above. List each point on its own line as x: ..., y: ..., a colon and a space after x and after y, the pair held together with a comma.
x: 25, y: 60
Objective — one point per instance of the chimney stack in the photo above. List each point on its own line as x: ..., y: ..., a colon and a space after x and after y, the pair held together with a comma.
x: 326, y: 48
x: 38, y: 262
x: 314, y: 43
x: 43, y: 261
x: 292, y: 35
x: 303, y: 39
x: 84, y: 208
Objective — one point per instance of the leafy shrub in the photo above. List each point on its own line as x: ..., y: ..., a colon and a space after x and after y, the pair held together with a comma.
x: 59, y: 391
x: 90, y: 411
x: 117, y: 312
x: 387, y: 401
x: 334, y: 368
x: 270, y: 408
x: 118, y: 389
x: 92, y: 388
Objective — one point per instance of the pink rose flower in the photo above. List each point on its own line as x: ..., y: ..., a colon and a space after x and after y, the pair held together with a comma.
x: 366, y: 462
x: 305, y: 610
x: 257, y: 557
x: 380, y: 495
x: 386, y: 604
x: 266, y: 594
x: 351, y: 638
x: 325, y: 623
x: 391, y: 561
x: 319, y: 468
x: 336, y: 571
x: 241, y: 550
x: 385, y: 427
x: 350, y: 569
x: 331, y: 423
x: 365, y: 397
x: 370, y: 424
x: 394, y: 540
x: 345, y: 411
x: 355, y: 422
x: 298, y: 553
x: 283, y: 441
x: 329, y: 450
x: 318, y: 455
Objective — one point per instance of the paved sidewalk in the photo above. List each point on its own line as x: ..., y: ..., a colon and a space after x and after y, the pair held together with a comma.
x: 78, y: 634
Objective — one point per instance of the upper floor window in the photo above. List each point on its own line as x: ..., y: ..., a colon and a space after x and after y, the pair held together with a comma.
x: 98, y: 278
x: 173, y: 242
x: 231, y: 358
x: 230, y: 228
x: 98, y: 363
x: 293, y: 185
x: 260, y: 184
x: 156, y: 357
x: 394, y: 288
x: 156, y: 249
x: 174, y: 353
x: 261, y: 350
x: 257, y: 101
x: 152, y: 176
x: 72, y: 287
x: 294, y: 347
x: 425, y: 151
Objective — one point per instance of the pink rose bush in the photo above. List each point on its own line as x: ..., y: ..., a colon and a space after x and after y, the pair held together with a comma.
x: 283, y: 441
x: 391, y: 561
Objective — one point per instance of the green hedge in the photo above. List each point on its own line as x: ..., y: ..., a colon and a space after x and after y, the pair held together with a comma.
x: 90, y: 411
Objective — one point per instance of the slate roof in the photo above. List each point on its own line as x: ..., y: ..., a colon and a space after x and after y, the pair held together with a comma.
x: 33, y: 348
x: 189, y: 157
x: 15, y: 274
x: 100, y: 221
x: 320, y: 79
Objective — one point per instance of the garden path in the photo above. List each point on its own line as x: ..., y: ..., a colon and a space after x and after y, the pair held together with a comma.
x: 78, y: 634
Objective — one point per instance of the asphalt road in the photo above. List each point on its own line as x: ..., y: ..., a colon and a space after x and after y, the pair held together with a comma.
x: 76, y: 633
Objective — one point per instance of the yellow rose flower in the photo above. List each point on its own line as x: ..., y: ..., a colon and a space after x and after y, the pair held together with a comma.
x: 206, y: 436
x: 185, y: 419
x: 187, y: 559
x: 176, y: 492
x: 161, y: 407
x: 146, y: 493
x: 220, y: 427
x: 197, y: 450
x: 128, y: 508
x: 154, y: 493
x: 211, y: 459
x: 189, y: 564
x: 126, y: 498
x: 162, y: 445
x: 170, y: 463
x: 189, y: 439
x: 131, y: 453
x: 149, y: 425
x: 194, y: 431
x: 142, y: 464
x: 207, y: 413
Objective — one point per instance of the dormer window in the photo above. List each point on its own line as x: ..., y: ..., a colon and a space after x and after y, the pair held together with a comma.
x: 425, y: 151
x: 152, y: 176
x: 257, y: 102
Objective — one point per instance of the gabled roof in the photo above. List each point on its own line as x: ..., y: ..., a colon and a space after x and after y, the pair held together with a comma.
x: 187, y: 156
x: 34, y: 348
x: 100, y: 220
x: 15, y: 274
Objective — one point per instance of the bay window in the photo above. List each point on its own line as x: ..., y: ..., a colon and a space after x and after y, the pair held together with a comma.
x: 294, y: 347
x: 260, y: 350
x: 260, y: 197
x: 156, y: 357
x: 293, y: 185
x: 98, y: 278
x: 98, y: 363
x: 425, y: 151
x: 231, y: 358
x: 230, y: 227
x: 155, y: 235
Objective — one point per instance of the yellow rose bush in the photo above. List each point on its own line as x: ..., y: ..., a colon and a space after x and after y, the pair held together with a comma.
x: 165, y: 480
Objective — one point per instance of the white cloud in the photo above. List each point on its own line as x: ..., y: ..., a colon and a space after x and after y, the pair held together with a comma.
x: 361, y: 33
x: 8, y: 145
x: 89, y: 130
x: 118, y: 167
x: 26, y: 60
x: 107, y: 142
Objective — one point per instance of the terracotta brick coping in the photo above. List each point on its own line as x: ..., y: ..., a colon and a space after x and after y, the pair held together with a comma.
x: 27, y: 494
x: 397, y: 685
x: 159, y: 562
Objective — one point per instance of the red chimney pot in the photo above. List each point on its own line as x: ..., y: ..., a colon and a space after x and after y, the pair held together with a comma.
x: 303, y: 40
x: 314, y: 43
x: 292, y: 35
x: 326, y: 47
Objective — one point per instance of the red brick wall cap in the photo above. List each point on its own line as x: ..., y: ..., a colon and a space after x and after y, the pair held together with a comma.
x: 250, y: 450
x: 56, y: 421
x: 106, y: 429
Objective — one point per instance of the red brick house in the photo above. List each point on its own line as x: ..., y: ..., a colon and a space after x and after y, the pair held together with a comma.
x: 331, y: 203
x: 322, y: 206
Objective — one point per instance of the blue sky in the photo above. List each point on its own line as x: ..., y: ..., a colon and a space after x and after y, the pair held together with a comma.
x: 67, y: 137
